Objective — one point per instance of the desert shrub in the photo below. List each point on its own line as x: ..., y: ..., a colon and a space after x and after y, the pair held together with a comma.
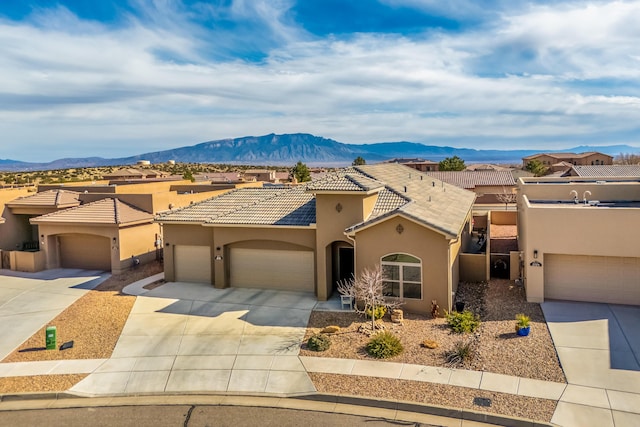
x: 461, y: 353
x: 465, y: 322
x: 384, y: 345
x: 319, y: 342
x: 378, y: 312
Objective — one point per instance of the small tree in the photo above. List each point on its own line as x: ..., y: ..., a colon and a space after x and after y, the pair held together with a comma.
x: 359, y: 161
x: 300, y: 172
x: 536, y: 167
x: 367, y: 291
x: 454, y: 163
x: 506, y: 198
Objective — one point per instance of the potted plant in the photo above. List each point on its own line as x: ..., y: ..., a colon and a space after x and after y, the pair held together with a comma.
x: 523, y: 324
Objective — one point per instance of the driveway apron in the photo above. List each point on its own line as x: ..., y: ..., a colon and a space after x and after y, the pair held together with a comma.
x: 599, y: 349
x: 185, y: 337
x: 28, y: 301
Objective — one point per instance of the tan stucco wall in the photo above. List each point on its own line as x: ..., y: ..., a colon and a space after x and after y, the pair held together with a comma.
x: 560, y: 189
x: 15, y: 229
x: 473, y: 267
x: 330, y: 228
x: 432, y: 248
x: 138, y: 241
x: 30, y: 262
x: 504, y: 217
x: 574, y: 230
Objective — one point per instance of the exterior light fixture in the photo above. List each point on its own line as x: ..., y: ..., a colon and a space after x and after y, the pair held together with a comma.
x: 535, y: 254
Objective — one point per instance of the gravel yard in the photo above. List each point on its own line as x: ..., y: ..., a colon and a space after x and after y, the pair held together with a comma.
x: 94, y: 323
x: 435, y: 394
x: 499, y: 349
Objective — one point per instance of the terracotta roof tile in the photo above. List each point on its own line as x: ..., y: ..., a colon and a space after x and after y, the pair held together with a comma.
x: 473, y: 179
x: 103, y: 211
x: 345, y: 182
x: 50, y: 198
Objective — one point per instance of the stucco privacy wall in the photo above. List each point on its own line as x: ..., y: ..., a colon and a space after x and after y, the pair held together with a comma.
x: 432, y: 248
x: 13, y: 230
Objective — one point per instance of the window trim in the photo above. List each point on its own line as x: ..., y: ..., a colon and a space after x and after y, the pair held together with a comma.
x: 400, y: 281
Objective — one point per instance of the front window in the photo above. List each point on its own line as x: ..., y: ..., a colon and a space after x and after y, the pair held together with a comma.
x: 402, y: 276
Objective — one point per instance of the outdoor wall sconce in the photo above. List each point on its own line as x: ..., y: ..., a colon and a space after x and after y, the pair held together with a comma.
x: 218, y: 257
x: 339, y: 207
x: 114, y: 240
x: 535, y: 254
x: 218, y: 248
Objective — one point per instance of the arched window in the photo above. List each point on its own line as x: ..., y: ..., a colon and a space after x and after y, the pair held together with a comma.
x: 402, y: 276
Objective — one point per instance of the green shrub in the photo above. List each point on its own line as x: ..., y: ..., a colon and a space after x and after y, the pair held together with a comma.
x: 461, y: 353
x: 319, y: 342
x: 384, y: 345
x: 378, y: 312
x: 465, y: 322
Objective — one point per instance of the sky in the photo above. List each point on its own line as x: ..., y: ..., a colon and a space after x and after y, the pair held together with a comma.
x: 114, y: 78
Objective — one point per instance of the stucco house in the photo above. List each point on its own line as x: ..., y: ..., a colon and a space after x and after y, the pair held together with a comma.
x: 588, y: 158
x: 308, y: 237
x: 487, y: 184
x: 604, y: 171
x: 418, y: 164
x: 579, y: 239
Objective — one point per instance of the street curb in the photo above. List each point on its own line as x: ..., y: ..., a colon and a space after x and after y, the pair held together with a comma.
x: 404, y: 406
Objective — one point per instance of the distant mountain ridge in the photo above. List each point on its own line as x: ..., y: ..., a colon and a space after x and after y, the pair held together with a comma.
x: 287, y: 149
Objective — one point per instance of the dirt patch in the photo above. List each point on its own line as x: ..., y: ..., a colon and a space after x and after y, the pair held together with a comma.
x: 42, y: 383
x: 504, y: 231
x: 499, y: 349
x: 94, y: 322
x: 435, y: 394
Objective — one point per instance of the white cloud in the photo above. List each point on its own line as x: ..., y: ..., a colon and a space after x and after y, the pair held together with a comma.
x: 111, y: 86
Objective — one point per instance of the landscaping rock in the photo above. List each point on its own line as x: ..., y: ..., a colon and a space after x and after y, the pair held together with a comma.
x: 332, y: 329
x: 397, y: 316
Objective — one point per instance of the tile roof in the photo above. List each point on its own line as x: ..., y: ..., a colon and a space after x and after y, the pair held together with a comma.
x: 219, y: 206
x: 607, y: 171
x: 438, y: 205
x: 486, y: 167
x: 345, y: 182
x: 428, y: 201
x: 473, y: 179
x: 560, y: 156
x: 50, y: 198
x: 103, y: 211
x: 289, y: 207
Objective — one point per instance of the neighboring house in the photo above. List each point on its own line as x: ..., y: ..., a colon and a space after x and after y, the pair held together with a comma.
x: 572, y: 250
x: 483, y: 167
x: 128, y: 174
x: 605, y: 171
x: 486, y: 184
x: 61, y: 228
x: 421, y: 165
x: 309, y: 237
x: 588, y: 158
x: 264, y: 175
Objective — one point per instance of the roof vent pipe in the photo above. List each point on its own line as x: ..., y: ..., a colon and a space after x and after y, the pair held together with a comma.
x: 433, y: 183
x: 421, y: 177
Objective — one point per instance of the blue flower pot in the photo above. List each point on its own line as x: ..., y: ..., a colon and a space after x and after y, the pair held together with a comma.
x: 523, y: 332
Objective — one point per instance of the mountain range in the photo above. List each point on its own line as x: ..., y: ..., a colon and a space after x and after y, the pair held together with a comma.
x: 287, y: 149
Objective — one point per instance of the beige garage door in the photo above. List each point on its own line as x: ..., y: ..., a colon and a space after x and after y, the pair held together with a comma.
x: 85, y: 251
x: 592, y: 278
x: 192, y: 263
x: 272, y: 269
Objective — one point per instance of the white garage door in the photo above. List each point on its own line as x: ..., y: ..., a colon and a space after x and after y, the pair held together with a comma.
x: 85, y: 251
x: 192, y: 263
x: 592, y: 278
x: 272, y: 269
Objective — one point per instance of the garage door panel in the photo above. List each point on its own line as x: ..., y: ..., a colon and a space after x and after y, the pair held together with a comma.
x: 591, y: 278
x: 272, y: 269
x: 85, y: 251
x: 192, y: 264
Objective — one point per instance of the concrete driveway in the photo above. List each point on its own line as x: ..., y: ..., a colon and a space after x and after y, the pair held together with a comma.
x: 28, y: 301
x: 185, y: 337
x: 599, y: 349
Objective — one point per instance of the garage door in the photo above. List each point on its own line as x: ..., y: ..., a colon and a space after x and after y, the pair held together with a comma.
x: 85, y: 251
x: 192, y: 263
x: 272, y: 269
x: 591, y: 278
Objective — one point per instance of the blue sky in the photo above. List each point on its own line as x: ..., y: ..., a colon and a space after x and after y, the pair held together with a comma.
x: 116, y: 78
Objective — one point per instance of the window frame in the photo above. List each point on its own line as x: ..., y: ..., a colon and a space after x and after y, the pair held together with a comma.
x: 400, y: 281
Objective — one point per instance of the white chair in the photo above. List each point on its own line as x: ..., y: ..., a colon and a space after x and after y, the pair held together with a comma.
x: 346, y: 300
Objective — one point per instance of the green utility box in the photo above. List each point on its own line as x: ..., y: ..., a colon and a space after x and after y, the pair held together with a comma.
x: 50, y: 336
